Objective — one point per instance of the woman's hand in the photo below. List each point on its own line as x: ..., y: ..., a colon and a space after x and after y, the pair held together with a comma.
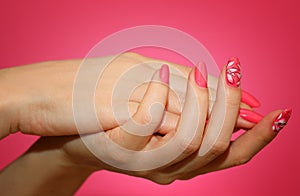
x: 215, y: 152
x: 208, y: 150
x: 70, y: 158
x: 40, y: 95
x: 202, y: 148
x: 61, y: 164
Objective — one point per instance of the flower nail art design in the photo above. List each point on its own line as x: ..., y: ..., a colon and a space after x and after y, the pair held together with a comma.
x: 233, y: 72
x: 281, y: 120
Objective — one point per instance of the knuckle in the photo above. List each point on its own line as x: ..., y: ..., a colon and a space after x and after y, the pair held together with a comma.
x: 145, y: 174
x: 167, y: 182
x: 263, y: 139
x: 130, y: 58
x: 219, y: 148
x: 241, y: 160
x: 131, y: 55
x: 142, y: 118
x: 156, y: 120
x: 148, y: 118
x: 163, y: 179
x: 232, y: 101
x: 118, y: 158
x: 188, y: 147
x: 187, y: 177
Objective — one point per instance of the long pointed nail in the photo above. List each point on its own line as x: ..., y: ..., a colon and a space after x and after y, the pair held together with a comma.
x: 250, y: 115
x: 201, y: 75
x: 249, y: 99
x: 164, y: 73
x: 281, y: 120
x: 233, y: 72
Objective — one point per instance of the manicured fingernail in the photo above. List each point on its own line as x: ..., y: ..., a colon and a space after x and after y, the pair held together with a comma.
x: 250, y: 115
x: 281, y: 120
x: 233, y: 72
x: 201, y: 75
x: 247, y: 98
x: 164, y: 73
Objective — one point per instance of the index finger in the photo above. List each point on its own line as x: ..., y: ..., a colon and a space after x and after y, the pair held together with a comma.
x: 136, y: 132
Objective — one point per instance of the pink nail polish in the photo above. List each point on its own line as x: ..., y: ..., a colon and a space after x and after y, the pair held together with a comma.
x: 164, y: 73
x: 201, y: 75
x: 250, y: 115
x: 250, y: 100
x: 281, y: 120
x: 233, y: 72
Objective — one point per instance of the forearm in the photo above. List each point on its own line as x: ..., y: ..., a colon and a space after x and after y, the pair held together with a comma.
x: 42, y: 171
x: 33, y: 95
x: 4, y: 125
x: 5, y: 114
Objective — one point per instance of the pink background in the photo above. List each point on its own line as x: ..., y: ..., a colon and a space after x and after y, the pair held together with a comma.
x: 263, y: 34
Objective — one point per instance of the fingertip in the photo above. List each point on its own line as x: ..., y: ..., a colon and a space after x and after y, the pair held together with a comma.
x: 281, y: 120
x: 255, y: 139
x: 267, y: 120
x: 251, y: 142
x: 272, y: 123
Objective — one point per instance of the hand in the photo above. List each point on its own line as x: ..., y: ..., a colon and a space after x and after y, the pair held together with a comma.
x: 215, y: 153
x: 65, y: 160
x: 47, y: 152
x: 40, y: 95
x: 75, y: 162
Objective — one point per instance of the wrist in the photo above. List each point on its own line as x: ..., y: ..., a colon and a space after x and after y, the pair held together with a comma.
x: 46, y: 162
x: 55, y: 147
x: 55, y: 168
x: 6, y: 109
x: 76, y: 154
x: 37, y: 97
x: 4, y: 120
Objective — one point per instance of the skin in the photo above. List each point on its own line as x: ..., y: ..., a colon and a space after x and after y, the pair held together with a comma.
x: 67, y: 159
x: 41, y: 94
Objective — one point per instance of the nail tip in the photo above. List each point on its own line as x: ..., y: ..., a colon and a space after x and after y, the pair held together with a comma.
x: 234, y: 59
x: 281, y: 120
x: 250, y: 99
x: 289, y: 110
x: 257, y: 105
x: 250, y: 116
